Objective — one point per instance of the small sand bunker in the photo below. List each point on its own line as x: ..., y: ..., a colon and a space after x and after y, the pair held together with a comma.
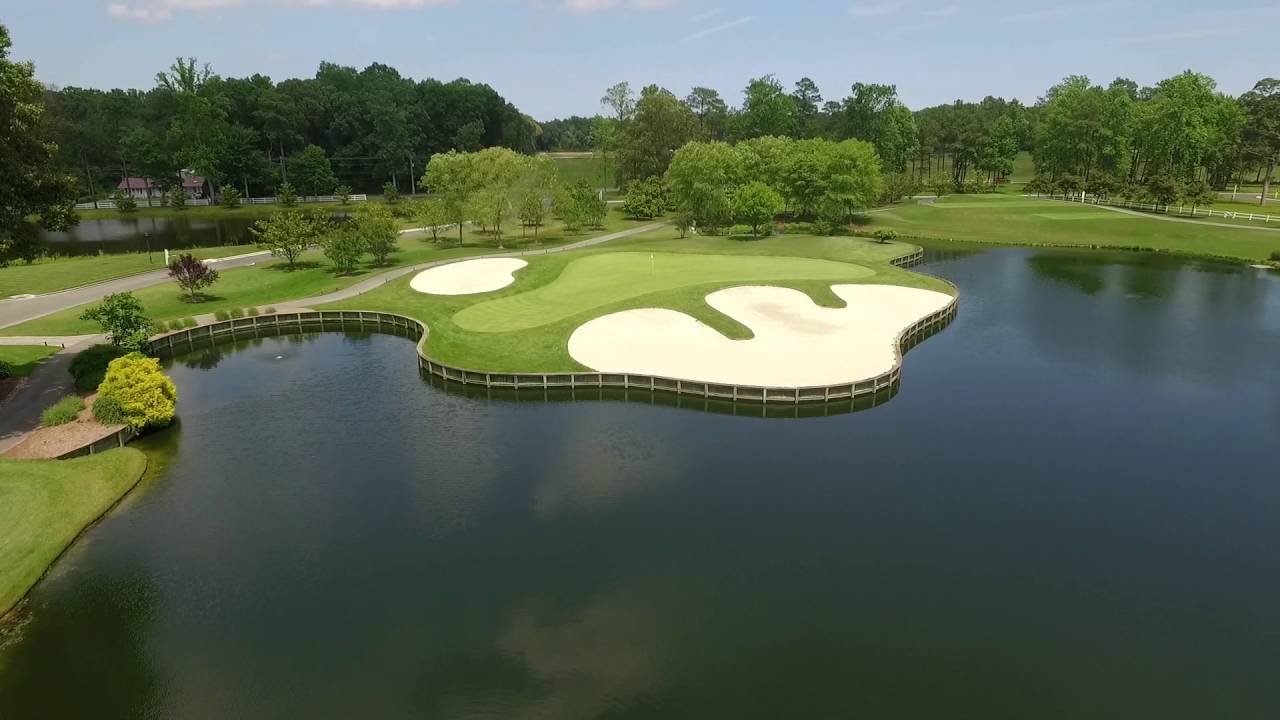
x: 796, y: 343
x: 468, y: 278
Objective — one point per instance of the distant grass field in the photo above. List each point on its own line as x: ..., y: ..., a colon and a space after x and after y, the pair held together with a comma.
x: 526, y: 327
x: 583, y: 167
x: 273, y: 282
x: 46, y: 504
x: 1004, y: 219
x: 23, y: 359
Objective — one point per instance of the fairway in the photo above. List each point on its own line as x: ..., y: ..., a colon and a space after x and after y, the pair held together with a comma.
x: 601, y: 280
x: 1002, y: 219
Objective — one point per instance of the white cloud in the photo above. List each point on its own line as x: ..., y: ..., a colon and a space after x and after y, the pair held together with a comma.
x: 163, y: 10
x: 718, y: 28
x: 589, y: 6
x: 876, y: 10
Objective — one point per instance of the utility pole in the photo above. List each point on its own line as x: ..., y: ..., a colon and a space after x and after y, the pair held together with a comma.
x: 413, y: 183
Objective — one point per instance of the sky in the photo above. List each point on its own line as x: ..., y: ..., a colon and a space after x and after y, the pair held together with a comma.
x: 554, y: 58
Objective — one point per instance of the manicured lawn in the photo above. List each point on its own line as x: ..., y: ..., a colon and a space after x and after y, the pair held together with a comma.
x: 273, y: 282
x: 46, y: 504
x: 1028, y: 221
x: 526, y: 326
x: 53, y: 274
x: 23, y: 359
x: 585, y: 168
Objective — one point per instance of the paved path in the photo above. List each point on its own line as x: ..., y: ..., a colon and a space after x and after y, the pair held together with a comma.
x: 15, y: 311
x: 20, y: 413
x: 61, y: 340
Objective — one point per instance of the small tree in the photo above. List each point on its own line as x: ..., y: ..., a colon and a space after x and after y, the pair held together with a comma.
x: 532, y: 213
x: 433, y: 214
x: 192, y: 274
x: 229, y: 197
x: 124, y: 201
x: 121, y: 317
x: 1163, y: 189
x: 646, y: 199
x: 885, y: 235
x: 491, y: 207
x: 343, y: 247
x: 684, y: 221
x: 378, y: 235
x: 286, y: 234
x: 390, y: 193
x: 178, y: 198
x: 756, y: 204
x: 344, y: 194
x: 286, y: 195
x: 1198, y: 193
x: 147, y: 398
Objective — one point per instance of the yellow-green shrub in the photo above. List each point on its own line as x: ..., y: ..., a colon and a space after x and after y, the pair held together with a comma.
x: 146, y: 396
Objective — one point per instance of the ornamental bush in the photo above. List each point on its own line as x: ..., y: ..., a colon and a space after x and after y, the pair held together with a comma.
x: 1275, y: 255
x: 107, y: 410
x: 89, y: 366
x: 6, y: 370
x: 147, y: 398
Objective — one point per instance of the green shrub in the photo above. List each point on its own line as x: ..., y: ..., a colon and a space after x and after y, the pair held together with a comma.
x: 146, y: 397
x: 885, y: 235
x: 738, y: 230
x: 176, y: 325
x: 1275, y: 255
x: 189, y: 322
x: 6, y: 370
x: 107, y: 410
x: 799, y: 228
x: 253, y: 312
x: 222, y: 316
x: 236, y: 313
x: 89, y: 366
x: 270, y: 311
x: 62, y: 412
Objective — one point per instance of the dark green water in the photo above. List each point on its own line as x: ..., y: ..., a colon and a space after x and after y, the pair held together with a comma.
x: 140, y: 234
x: 1069, y: 511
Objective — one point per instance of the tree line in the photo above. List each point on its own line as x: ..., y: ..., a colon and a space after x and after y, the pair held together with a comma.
x: 358, y: 128
x: 1182, y: 129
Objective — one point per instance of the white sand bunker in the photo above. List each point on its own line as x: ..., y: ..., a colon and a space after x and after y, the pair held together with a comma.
x: 796, y: 343
x: 468, y: 278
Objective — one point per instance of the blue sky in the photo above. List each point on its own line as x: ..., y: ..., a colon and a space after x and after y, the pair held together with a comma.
x: 555, y: 57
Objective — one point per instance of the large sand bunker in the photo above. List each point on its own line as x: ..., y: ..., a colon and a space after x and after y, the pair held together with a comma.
x: 796, y: 343
x: 468, y: 278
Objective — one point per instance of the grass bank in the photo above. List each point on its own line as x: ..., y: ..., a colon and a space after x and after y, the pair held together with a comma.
x: 526, y: 327
x: 1004, y: 219
x: 53, y: 274
x: 273, y: 281
x: 46, y: 504
x: 23, y: 359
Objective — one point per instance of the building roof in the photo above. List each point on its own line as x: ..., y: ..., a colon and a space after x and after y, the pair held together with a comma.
x: 135, y: 183
x: 189, y: 181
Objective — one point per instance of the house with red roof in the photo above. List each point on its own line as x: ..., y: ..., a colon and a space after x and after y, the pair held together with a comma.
x: 143, y: 188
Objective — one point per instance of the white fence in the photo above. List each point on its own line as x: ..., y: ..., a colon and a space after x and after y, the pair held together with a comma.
x: 157, y: 202
x: 1168, y: 209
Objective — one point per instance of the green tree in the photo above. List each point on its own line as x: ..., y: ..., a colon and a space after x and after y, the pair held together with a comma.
x: 711, y: 110
x: 620, y: 100
x: 286, y: 195
x: 390, y: 193
x: 343, y: 246
x: 807, y: 100
x: 124, y: 201
x: 378, y: 231
x: 229, y: 197
x: 433, y: 214
x: 767, y: 109
x: 121, y: 317
x: 532, y: 212
x: 700, y: 180
x: 756, y: 204
x: 1164, y: 189
x: 1198, y: 193
x: 660, y: 125
x: 452, y: 175
x: 1262, y: 129
x: 177, y: 198
x: 287, y: 234
x: 646, y: 199
x: 999, y: 150
x: 343, y: 193
x: 312, y: 173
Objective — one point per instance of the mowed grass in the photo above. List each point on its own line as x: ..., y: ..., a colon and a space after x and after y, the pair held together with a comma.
x: 46, y: 504
x: 272, y: 281
x: 526, y: 326
x: 54, y: 274
x: 605, y: 279
x: 23, y: 359
x: 1002, y: 219
x: 583, y: 168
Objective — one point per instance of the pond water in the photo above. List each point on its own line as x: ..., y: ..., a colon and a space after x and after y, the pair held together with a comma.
x: 140, y: 234
x: 1068, y: 511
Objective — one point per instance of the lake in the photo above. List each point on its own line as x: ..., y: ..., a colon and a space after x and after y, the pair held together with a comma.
x: 1069, y: 510
x: 140, y: 234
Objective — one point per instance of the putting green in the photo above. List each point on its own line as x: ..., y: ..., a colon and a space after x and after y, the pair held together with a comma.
x: 600, y: 280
